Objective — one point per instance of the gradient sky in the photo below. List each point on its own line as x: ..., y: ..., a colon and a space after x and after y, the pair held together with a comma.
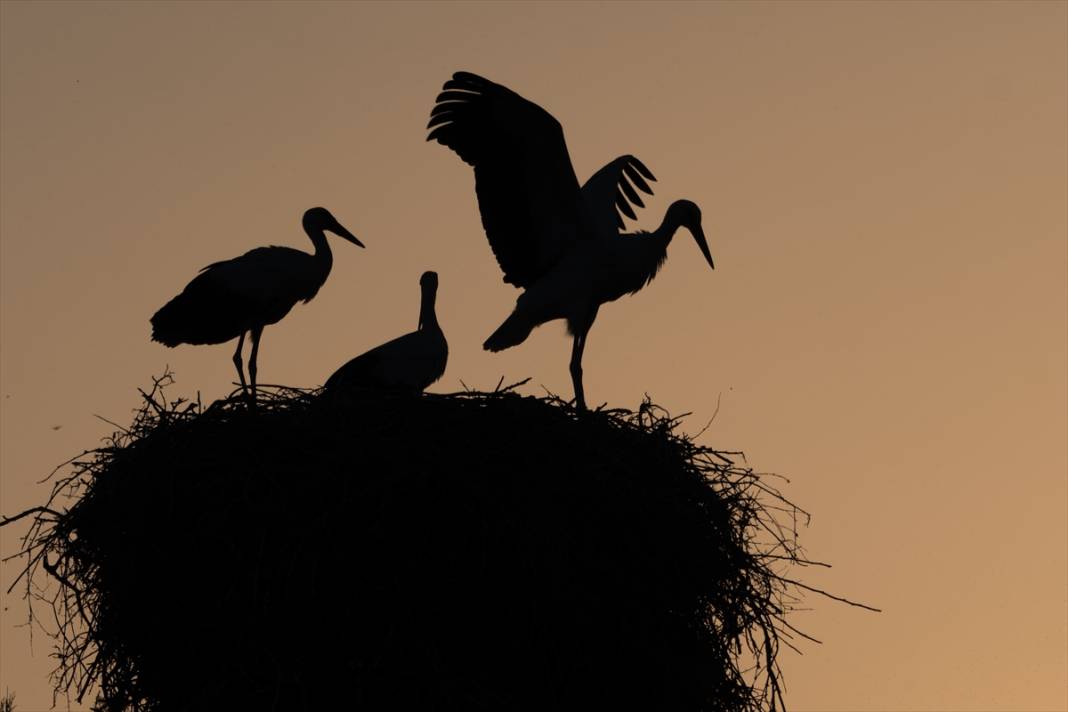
x: 883, y: 188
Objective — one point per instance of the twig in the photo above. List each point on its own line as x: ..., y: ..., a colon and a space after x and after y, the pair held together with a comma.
x: 112, y: 423
x: 4, y: 521
x: 829, y: 595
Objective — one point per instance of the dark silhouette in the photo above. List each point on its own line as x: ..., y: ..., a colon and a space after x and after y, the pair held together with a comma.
x: 231, y: 298
x: 396, y: 551
x: 410, y: 362
x: 560, y: 243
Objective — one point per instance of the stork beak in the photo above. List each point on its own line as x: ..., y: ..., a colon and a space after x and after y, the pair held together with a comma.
x: 340, y: 231
x: 699, y: 237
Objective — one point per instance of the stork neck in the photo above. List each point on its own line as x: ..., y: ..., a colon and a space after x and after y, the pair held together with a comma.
x: 428, y: 319
x: 668, y: 227
x: 323, y: 256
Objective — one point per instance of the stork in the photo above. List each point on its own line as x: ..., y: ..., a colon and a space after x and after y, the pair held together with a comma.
x: 410, y: 362
x: 560, y: 243
x: 241, y: 296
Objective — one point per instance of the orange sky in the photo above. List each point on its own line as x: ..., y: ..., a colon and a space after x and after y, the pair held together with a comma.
x: 884, y: 192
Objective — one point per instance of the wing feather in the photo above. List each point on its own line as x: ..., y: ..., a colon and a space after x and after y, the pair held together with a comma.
x: 609, y: 194
x: 528, y: 194
x: 624, y: 206
x: 267, y: 275
x: 632, y: 196
x: 634, y: 170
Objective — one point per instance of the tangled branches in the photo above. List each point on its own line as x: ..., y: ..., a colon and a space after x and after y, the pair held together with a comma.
x: 462, y: 551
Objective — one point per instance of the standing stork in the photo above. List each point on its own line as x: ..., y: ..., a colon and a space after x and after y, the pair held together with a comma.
x: 560, y: 243
x: 410, y: 362
x: 231, y: 298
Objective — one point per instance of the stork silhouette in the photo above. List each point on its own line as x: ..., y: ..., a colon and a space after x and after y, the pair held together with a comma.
x: 409, y: 362
x: 231, y: 298
x: 560, y: 243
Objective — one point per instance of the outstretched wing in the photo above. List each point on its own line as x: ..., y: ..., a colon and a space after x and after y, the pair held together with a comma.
x: 528, y: 194
x: 609, y: 192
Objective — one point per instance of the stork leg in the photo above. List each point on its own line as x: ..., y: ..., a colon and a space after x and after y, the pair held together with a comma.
x: 256, y: 333
x: 237, y: 361
x: 577, y: 345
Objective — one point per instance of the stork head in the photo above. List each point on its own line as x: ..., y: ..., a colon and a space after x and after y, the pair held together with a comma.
x: 685, y: 213
x: 321, y: 219
x: 429, y: 281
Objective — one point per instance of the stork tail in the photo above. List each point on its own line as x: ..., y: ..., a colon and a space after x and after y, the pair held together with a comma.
x: 167, y: 323
x: 201, y: 314
x: 514, y: 331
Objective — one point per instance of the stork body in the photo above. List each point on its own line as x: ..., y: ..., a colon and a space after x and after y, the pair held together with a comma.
x: 560, y: 242
x: 411, y: 362
x: 232, y: 298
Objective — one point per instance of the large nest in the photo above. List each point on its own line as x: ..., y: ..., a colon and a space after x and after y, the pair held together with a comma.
x: 387, y: 551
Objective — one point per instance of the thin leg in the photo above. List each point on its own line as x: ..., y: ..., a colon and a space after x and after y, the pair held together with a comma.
x: 577, y: 347
x: 237, y: 361
x: 256, y: 333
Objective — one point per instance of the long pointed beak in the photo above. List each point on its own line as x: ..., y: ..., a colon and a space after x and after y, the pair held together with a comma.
x: 699, y: 238
x: 340, y: 231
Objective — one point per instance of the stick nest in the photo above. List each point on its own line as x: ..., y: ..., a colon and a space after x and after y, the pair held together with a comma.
x: 367, y: 551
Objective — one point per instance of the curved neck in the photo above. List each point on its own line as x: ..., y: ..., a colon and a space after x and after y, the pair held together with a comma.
x: 323, y: 257
x: 668, y: 227
x: 427, y: 318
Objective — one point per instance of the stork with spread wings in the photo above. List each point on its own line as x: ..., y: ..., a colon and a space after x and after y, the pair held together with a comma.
x: 561, y: 243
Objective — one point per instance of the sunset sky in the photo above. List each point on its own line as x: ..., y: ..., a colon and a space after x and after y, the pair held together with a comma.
x: 884, y: 193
